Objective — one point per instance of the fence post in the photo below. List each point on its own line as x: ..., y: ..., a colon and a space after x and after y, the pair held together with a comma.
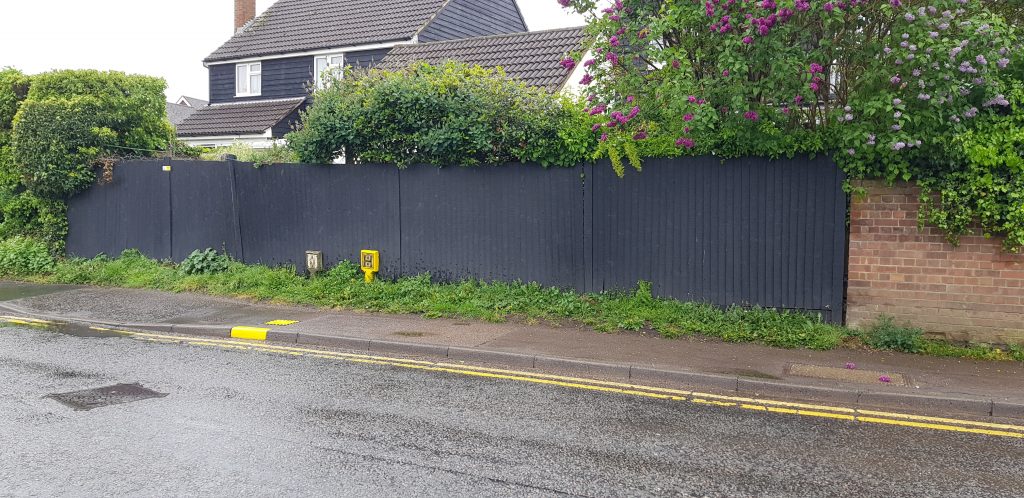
x: 236, y: 215
x: 588, y: 228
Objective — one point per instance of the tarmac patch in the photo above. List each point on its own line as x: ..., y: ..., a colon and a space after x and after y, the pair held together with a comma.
x: 847, y: 375
x: 105, y: 396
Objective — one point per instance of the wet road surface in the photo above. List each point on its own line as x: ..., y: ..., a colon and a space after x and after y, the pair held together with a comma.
x: 251, y: 423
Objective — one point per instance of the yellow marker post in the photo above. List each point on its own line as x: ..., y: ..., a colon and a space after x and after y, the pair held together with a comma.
x: 369, y: 261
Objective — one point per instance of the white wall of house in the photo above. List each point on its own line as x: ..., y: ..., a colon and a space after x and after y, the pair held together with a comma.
x: 263, y: 141
x: 572, y: 85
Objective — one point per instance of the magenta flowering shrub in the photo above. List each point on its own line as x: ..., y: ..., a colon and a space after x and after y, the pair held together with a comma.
x: 885, y: 87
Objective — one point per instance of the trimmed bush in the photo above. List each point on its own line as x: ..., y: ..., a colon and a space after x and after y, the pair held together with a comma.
x: 447, y: 115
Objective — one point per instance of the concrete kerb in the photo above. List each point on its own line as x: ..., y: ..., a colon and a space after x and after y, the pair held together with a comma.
x: 756, y: 388
x: 716, y: 383
x: 910, y: 402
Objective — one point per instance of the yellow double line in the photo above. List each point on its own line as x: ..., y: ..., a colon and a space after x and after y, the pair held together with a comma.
x: 31, y: 322
x: 699, y: 398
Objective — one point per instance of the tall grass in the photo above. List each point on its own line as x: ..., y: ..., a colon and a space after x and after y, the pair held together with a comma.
x: 343, y: 287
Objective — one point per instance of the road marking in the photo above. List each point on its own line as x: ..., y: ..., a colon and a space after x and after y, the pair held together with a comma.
x: 282, y: 323
x: 707, y: 399
x: 940, y: 427
x: 249, y: 333
x: 17, y: 320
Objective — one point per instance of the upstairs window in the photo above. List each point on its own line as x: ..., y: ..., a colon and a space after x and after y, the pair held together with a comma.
x: 248, y: 79
x: 328, y: 67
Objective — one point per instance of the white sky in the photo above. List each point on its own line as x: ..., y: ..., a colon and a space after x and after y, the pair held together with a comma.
x: 159, y: 38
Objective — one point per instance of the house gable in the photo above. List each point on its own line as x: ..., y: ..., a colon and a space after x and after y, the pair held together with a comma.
x: 471, y: 18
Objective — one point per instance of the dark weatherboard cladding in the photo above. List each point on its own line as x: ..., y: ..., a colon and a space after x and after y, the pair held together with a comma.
x: 282, y: 78
x: 469, y: 18
x: 747, y: 232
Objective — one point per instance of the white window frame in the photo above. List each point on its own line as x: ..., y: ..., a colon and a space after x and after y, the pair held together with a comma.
x: 337, y: 67
x: 251, y: 69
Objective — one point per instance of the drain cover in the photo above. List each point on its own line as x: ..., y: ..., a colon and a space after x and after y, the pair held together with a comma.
x: 846, y: 375
x: 105, y: 396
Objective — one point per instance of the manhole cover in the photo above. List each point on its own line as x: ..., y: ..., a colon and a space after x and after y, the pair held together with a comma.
x: 847, y: 375
x: 105, y: 396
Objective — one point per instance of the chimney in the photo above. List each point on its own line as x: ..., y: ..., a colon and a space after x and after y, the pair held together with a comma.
x: 245, y: 11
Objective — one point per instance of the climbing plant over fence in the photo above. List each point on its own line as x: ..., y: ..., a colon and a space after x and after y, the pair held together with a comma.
x: 892, y: 89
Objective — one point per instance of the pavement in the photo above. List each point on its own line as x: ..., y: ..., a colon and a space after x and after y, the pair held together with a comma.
x: 98, y: 414
x: 917, y: 384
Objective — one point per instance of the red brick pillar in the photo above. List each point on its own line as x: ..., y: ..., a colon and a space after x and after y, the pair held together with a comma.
x: 973, y: 292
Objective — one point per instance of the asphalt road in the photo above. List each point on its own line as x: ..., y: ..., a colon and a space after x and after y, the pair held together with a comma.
x: 249, y: 423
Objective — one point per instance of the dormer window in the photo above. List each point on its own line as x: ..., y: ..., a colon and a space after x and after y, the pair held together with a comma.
x: 328, y: 67
x: 248, y: 79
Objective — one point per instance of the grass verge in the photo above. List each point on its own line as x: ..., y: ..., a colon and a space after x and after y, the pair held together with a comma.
x: 343, y: 287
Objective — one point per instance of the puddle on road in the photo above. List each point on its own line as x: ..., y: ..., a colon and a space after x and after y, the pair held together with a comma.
x: 743, y: 372
x: 9, y: 291
x: 105, y: 396
x: 72, y: 329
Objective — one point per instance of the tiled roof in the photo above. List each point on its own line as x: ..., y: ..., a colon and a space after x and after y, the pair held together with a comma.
x: 193, y: 102
x: 531, y: 57
x: 300, y: 25
x: 176, y: 113
x: 245, y: 118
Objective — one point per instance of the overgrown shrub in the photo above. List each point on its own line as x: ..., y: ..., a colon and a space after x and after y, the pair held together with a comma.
x: 71, y: 119
x: 43, y: 219
x: 447, y: 115
x: 275, y: 154
x: 886, y: 334
x: 204, y: 262
x: 13, y: 90
x: 24, y: 256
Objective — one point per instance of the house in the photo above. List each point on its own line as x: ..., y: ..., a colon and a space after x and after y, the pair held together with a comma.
x: 262, y: 77
x: 183, y: 108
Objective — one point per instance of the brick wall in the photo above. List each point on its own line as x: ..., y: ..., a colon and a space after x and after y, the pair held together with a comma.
x: 971, y: 292
x: 245, y: 11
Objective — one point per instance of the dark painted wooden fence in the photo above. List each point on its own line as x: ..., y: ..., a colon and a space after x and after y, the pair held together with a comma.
x: 749, y: 232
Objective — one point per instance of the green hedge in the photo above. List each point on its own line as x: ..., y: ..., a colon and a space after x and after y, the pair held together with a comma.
x: 446, y: 115
x: 56, y: 127
x: 72, y: 118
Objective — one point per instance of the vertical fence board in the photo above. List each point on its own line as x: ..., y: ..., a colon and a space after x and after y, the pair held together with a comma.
x: 202, y: 214
x: 286, y: 210
x: 747, y: 232
x: 131, y: 212
x: 513, y: 222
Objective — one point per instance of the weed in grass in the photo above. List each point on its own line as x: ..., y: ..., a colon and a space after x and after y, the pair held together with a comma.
x: 885, y: 334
